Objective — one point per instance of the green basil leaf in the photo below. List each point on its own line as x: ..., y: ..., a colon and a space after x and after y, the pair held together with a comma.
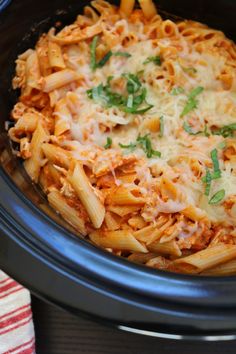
x: 226, y: 131
x: 208, y: 180
x: 189, y: 70
x: 205, y: 131
x: 134, y: 110
x: 133, y: 83
x: 104, y: 60
x: 217, y: 197
x: 195, y: 92
x: 93, y: 46
x: 108, y: 143
x: 190, y: 105
x: 155, y: 59
x: 216, y: 166
x: 139, y: 99
x: 146, y: 145
x: 177, y: 90
x: 161, y: 127
x: 130, y: 146
x: 130, y: 101
x: 122, y: 54
x: 222, y: 145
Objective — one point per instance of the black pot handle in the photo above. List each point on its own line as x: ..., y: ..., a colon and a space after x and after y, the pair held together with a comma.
x: 3, y: 4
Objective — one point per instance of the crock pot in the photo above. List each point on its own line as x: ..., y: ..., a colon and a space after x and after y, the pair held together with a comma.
x: 39, y: 250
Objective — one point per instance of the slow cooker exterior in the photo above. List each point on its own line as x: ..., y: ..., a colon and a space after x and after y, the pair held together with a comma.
x: 68, y: 271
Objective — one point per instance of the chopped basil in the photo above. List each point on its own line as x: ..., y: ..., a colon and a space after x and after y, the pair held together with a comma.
x: 104, y: 95
x: 189, y: 130
x: 209, y: 177
x: 109, y: 54
x: 145, y: 144
x: 138, y: 111
x: 177, y: 90
x: 190, y: 105
x: 217, y: 197
x: 108, y: 143
x: 216, y: 166
x: 189, y: 70
x: 205, y: 131
x: 130, y: 146
x: 93, y: 62
x: 130, y: 104
x: 155, y: 59
x: 226, y: 130
x: 161, y: 127
x: 122, y: 54
x: 195, y: 92
x: 133, y: 83
x: 222, y: 145
x: 93, y: 46
x: 104, y: 60
x: 208, y: 180
x: 191, y: 102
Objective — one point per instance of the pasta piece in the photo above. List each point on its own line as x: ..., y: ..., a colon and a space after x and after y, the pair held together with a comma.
x: 59, y: 79
x: 57, y: 155
x: 32, y: 73
x: 123, y: 210
x: 91, y: 13
x: 137, y: 222
x: 193, y: 213
x: 83, y: 34
x: 148, y: 7
x: 71, y: 215
x: 208, y: 258
x: 120, y: 240
x: 169, y: 28
x: 167, y: 248
x: 112, y: 221
x: 34, y: 163
x: 42, y: 52
x: 126, y: 7
x: 141, y: 258
x: 228, y: 268
x: 90, y: 201
x: 125, y: 196
x: 63, y: 118
x: 55, y: 56
x: 144, y: 234
x: 25, y: 124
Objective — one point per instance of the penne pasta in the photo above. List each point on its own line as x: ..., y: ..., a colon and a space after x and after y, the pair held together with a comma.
x: 55, y: 56
x: 148, y: 8
x: 127, y: 6
x: 124, y: 196
x: 32, y: 71
x: 89, y: 199
x: 34, y: 163
x: 59, y: 79
x: 58, y: 202
x: 126, y: 120
x: 120, y: 240
x: 123, y: 210
x: 56, y: 155
x: 228, y: 268
x: 208, y: 258
x: 167, y: 248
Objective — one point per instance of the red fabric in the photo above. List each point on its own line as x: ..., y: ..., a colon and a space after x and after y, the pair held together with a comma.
x: 16, y: 325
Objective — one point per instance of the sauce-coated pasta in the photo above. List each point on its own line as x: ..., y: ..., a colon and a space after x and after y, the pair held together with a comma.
x: 127, y: 121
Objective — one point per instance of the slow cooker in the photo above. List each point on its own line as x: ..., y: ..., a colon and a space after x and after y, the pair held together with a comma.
x: 41, y: 251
